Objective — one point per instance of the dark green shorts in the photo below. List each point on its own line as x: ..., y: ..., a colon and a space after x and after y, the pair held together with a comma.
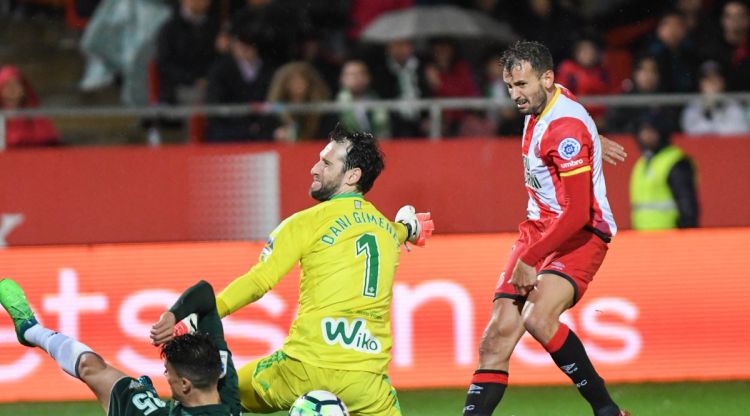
x: 131, y: 397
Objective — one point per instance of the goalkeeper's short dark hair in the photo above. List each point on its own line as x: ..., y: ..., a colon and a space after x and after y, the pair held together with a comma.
x: 363, y: 153
x: 195, y: 357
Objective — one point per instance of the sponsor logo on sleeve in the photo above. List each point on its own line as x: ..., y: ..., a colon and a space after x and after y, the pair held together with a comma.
x: 569, y: 148
x: 267, y: 249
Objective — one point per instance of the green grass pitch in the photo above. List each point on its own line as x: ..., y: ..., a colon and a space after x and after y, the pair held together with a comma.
x: 678, y: 399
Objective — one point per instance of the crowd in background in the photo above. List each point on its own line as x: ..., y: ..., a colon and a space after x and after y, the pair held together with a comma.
x: 308, y: 51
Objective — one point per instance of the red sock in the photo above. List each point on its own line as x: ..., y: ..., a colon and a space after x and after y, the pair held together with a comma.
x: 557, y: 340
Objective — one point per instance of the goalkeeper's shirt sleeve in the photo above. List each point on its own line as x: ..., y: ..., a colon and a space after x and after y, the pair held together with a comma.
x: 401, y: 231
x: 283, y: 249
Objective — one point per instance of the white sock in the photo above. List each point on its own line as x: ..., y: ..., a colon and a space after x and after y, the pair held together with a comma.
x: 64, y: 349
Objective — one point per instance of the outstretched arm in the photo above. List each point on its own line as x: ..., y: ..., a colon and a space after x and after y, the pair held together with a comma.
x: 283, y: 249
x: 195, y: 310
x: 198, y: 299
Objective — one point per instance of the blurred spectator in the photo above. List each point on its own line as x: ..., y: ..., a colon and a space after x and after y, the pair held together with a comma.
x: 279, y: 23
x: 355, y: 87
x: 299, y: 83
x: 662, y: 185
x: 363, y: 12
x: 450, y: 76
x: 329, y: 22
x: 506, y: 121
x: 85, y: 8
x: 549, y: 22
x: 313, y: 52
x: 401, y: 75
x: 492, y: 8
x: 732, y: 50
x: 240, y: 77
x: 645, y: 80
x: 676, y: 58
x: 120, y: 40
x: 712, y: 113
x: 16, y: 93
x: 702, y: 29
x: 585, y: 75
x: 185, y: 52
x: 618, y: 14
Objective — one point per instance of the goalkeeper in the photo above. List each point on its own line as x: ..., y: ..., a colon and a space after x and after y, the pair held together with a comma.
x: 348, y: 252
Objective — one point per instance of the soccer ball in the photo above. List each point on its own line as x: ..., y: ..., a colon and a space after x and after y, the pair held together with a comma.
x: 318, y: 403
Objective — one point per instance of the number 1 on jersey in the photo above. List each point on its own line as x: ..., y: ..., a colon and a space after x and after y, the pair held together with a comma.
x: 369, y: 245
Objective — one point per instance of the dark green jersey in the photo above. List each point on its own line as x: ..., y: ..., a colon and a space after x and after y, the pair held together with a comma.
x: 210, y: 410
x: 229, y: 389
x: 131, y: 397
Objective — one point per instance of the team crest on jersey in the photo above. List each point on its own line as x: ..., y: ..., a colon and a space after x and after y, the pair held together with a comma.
x: 267, y: 249
x: 569, y: 148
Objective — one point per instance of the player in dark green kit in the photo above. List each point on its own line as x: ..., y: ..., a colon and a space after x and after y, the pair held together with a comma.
x: 198, y: 365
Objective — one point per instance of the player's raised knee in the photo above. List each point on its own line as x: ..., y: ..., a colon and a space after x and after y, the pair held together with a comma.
x: 89, y: 365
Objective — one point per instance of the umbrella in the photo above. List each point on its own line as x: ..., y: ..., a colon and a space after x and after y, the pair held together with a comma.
x: 436, y: 21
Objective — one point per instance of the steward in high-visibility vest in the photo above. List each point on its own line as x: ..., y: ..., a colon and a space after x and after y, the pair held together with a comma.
x: 662, y: 184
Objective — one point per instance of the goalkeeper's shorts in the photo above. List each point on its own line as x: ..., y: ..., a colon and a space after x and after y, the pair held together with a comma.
x: 274, y: 382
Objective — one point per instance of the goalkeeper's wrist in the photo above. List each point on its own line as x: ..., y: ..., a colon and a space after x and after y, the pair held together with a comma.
x: 409, y: 230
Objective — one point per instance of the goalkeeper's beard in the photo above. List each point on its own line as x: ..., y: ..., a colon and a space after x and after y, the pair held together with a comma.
x: 325, y: 192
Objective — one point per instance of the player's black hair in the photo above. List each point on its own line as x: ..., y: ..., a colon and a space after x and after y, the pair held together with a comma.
x: 195, y: 357
x: 536, y: 54
x: 363, y: 153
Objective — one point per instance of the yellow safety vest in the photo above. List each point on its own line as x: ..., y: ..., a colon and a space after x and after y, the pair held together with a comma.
x: 652, y: 204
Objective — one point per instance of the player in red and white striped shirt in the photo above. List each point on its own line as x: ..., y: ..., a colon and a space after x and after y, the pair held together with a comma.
x: 561, y: 244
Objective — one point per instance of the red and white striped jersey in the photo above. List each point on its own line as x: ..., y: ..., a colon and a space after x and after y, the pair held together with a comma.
x: 563, y: 141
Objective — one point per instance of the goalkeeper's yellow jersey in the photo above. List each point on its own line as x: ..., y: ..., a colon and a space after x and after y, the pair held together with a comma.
x: 348, y: 252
